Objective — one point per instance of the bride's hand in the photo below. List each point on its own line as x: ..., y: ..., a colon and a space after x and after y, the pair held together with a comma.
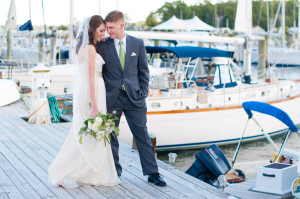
x: 104, y: 38
x: 94, y: 112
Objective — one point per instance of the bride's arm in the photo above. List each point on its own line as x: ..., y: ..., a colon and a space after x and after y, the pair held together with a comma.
x: 92, y: 56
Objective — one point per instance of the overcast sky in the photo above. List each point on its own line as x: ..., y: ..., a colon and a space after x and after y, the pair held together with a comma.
x: 57, y: 12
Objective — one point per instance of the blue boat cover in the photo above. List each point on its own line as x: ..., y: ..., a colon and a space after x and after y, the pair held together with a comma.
x: 269, y: 110
x: 188, y: 51
x: 26, y: 26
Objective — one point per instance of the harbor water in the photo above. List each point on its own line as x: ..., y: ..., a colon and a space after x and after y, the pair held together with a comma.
x: 251, y: 154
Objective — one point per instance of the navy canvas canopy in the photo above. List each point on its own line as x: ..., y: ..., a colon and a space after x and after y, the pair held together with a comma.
x: 269, y: 110
x: 188, y: 51
x: 26, y: 26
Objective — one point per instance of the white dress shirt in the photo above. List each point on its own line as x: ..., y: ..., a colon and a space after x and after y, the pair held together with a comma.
x: 117, y: 45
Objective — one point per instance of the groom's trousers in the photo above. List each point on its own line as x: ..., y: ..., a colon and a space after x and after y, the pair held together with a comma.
x: 136, y: 118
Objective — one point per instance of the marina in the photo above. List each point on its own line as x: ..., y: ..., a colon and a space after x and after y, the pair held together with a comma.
x: 26, y: 151
x: 204, y: 80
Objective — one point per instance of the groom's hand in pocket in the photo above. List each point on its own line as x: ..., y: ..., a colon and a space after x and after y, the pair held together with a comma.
x: 94, y: 111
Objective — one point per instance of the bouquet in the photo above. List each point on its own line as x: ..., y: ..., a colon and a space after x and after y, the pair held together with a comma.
x: 100, y: 127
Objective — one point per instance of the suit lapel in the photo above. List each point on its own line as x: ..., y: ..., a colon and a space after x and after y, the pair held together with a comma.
x: 128, y: 51
x: 112, y: 50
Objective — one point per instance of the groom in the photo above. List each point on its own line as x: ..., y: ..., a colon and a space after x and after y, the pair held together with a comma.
x: 126, y: 77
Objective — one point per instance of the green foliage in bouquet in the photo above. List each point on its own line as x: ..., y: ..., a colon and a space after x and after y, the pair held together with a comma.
x: 100, y: 127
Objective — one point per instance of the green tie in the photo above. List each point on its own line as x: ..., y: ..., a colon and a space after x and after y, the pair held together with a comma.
x: 122, y: 55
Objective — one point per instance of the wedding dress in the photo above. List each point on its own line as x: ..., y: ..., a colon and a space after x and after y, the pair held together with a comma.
x: 90, y: 162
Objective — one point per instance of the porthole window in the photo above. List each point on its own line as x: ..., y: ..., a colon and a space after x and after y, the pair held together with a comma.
x: 155, y: 105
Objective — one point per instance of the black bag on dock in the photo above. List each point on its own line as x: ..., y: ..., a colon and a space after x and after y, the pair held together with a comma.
x: 210, y: 163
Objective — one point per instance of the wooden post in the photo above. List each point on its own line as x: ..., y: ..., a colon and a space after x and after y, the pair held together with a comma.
x: 262, y: 49
x: 153, y: 142
x: 41, y: 47
x: 9, y: 45
x: 53, y: 49
x: 68, y: 107
x: 200, y: 44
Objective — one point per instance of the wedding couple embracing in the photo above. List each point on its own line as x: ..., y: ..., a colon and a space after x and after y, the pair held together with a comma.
x: 110, y: 76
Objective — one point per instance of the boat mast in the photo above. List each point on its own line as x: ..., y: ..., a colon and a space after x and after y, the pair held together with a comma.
x: 99, y: 7
x: 298, y: 39
x: 71, y: 31
x: 243, y: 24
x: 247, y: 60
x: 30, y: 35
x: 10, y: 23
x: 283, y: 24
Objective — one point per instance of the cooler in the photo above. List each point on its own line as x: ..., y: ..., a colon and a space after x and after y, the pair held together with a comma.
x: 275, y: 178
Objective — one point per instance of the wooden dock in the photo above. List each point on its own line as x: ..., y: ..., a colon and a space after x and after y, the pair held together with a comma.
x: 27, y: 150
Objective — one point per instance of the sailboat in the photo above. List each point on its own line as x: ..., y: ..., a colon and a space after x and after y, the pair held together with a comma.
x: 186, y: 110
x: 281, y: 55
x: 22, y: 52
x: 8, y: 88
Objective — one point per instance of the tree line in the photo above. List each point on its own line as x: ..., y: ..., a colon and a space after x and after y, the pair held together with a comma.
x: 222, y: 14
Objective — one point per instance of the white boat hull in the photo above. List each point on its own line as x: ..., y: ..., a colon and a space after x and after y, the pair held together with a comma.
x: 199, y: 128
x: 9, y: 92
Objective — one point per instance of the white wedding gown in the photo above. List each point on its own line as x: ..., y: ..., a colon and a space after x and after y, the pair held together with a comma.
x: 91, y: 162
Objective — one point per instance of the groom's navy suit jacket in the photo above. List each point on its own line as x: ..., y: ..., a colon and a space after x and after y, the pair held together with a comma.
x: 135, y: 76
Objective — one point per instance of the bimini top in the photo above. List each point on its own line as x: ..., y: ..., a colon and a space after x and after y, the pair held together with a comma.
x: 269, y: 110
x: 188, y: 51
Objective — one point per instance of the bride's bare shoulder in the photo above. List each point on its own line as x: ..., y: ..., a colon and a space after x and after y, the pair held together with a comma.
x: 88, y: 50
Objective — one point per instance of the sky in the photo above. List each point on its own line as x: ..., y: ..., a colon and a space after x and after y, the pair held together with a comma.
x: 57, y: 12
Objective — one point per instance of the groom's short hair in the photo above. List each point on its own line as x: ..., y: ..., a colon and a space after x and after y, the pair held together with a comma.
x: 114, y: 16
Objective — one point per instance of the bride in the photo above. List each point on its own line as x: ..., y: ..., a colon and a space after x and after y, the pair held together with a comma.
x: 92, y: 161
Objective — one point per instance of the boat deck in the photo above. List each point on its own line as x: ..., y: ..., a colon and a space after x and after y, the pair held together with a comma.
x: 27, y: 150
x: 244, y: 190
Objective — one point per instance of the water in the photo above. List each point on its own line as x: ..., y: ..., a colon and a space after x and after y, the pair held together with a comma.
x: 251, y: 154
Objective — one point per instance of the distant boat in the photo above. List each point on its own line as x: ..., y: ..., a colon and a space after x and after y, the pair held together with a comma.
x: 280, y: 56
x: 9, y: 92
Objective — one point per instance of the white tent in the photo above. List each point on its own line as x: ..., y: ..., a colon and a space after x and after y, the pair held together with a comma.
x: 172, y: 24
x: 179, y: 24
x: 196, y: 24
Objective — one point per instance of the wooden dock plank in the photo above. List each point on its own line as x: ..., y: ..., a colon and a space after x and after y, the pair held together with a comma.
x: 174, y: 180
x: 174, y: 192
x: 7, y: 186
x: 33, y: 147
x: 17, y: 180
x: 122, y: 192
x: 3, y: 194
x: 27, y: 174
x: 40, y: 155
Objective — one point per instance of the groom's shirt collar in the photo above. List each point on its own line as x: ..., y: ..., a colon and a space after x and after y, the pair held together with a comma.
x: 117, y: 45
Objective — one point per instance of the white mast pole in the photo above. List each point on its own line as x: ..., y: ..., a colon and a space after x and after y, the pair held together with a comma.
x: 249, y: 36
x: 298, y: 39
x: 30, y: 35
x: 99, y: 7
x: 71, y: 31
x: 283, y: 24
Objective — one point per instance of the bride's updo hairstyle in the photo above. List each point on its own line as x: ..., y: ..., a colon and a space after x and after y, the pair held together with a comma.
x: 94, y: 23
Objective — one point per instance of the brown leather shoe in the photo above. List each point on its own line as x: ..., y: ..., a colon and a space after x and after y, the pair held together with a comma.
x: 156, y: 179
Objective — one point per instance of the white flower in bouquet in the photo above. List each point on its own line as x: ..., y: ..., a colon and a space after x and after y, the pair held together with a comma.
x: 93, y: 127
x: 100, y: 127
x: 98, y: 121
